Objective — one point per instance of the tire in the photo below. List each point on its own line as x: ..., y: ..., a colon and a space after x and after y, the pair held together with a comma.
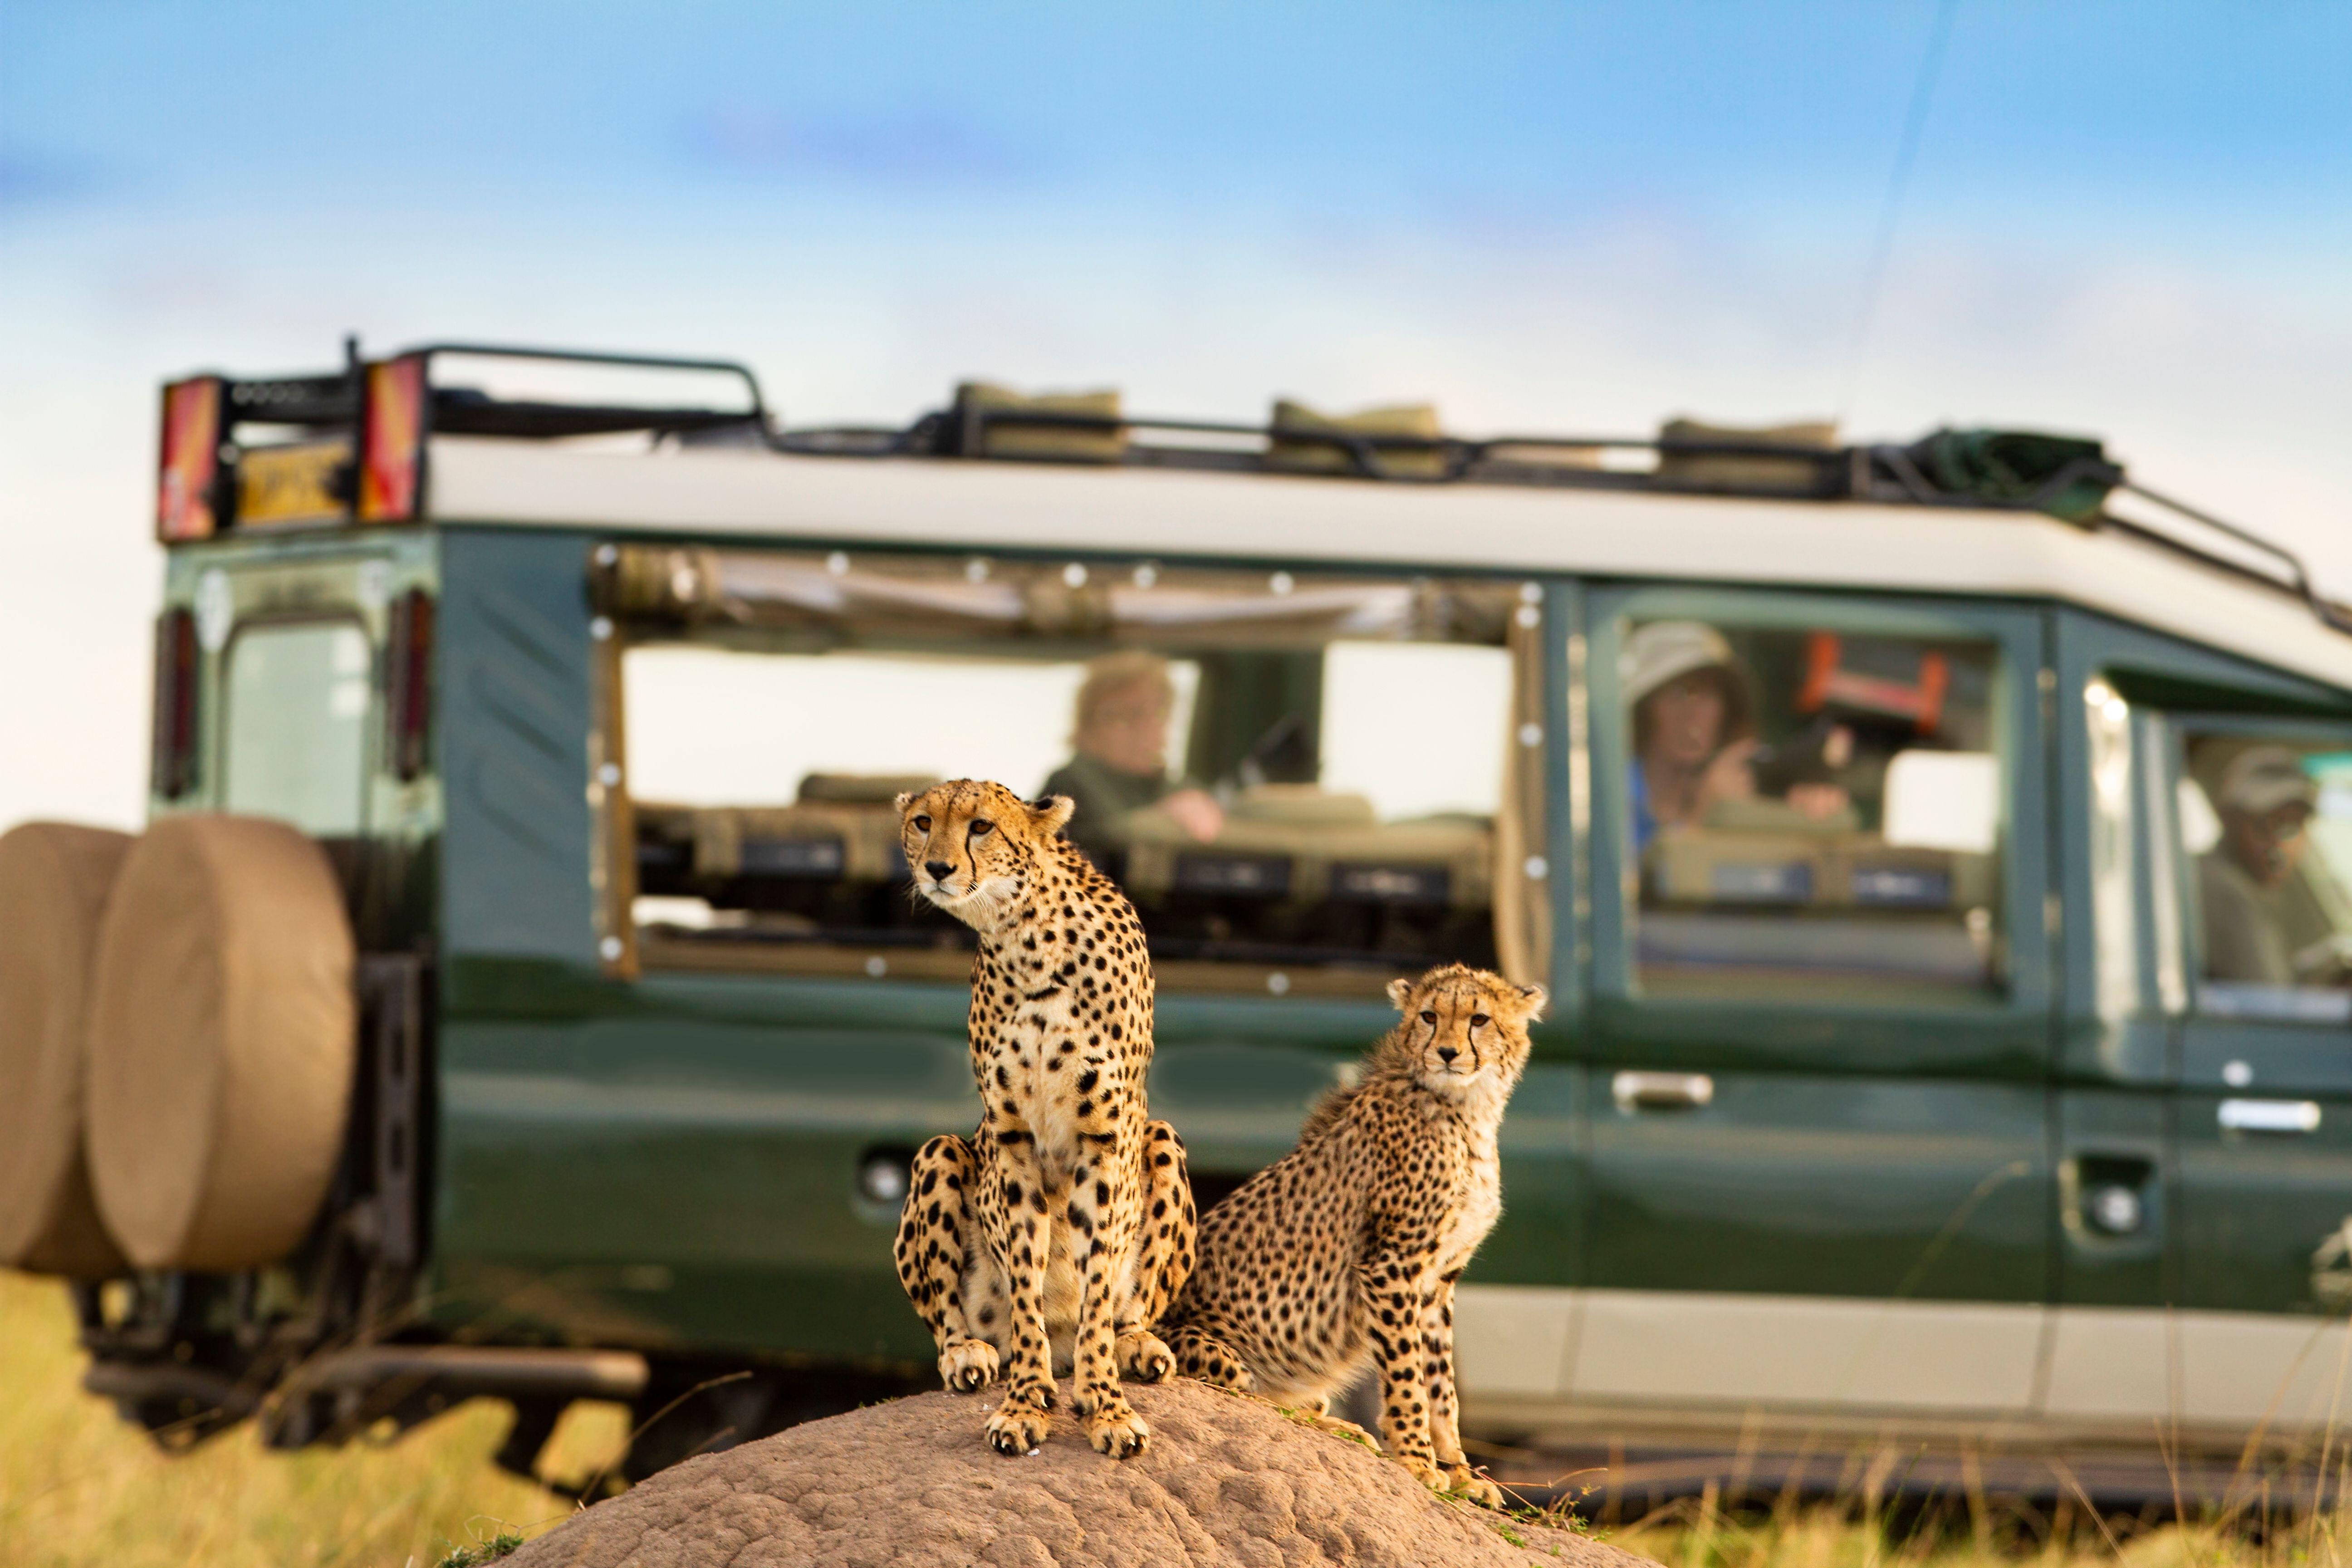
x: 53, y: 880
x: 223, y: 1031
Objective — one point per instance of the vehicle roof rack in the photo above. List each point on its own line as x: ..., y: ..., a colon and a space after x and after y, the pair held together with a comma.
x: 2065, y: 476
x: 2070, y: 478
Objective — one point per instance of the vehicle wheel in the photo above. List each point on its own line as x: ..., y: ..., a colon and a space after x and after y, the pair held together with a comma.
x: 54, y: 879
x: 222, y: 1033
x: 685, y: 1411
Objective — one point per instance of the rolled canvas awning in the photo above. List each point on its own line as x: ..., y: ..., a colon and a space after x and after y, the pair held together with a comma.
x: 904, y: 596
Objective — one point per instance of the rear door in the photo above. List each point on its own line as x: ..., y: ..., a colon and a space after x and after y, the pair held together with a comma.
x: 1819, y: 1171
x: 292, y: 717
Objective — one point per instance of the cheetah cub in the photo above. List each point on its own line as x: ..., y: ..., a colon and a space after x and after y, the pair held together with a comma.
x: 1053, y: 1237
x: 1348, y: 1247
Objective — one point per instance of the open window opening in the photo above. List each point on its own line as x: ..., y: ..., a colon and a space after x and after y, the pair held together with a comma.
x: 1303, y: 784
x: 2263, y: 819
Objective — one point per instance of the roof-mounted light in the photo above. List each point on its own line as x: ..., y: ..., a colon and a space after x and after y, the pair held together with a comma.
x: 188, y: 493
x: 394, y: 411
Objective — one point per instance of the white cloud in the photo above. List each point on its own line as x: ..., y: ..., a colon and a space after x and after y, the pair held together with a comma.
x: 2224, y: 386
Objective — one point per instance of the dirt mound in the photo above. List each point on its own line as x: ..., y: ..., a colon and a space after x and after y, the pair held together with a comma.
x: 1226, y: 1480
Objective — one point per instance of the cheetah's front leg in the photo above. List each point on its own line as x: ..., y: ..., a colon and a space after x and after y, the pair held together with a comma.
x: 1392, y: 1282
x: 1163, y: 1256
x: 1022, y: 1242
x: 933, y: 1249
x: 1104, y: 1208
x: 1444, y: 1405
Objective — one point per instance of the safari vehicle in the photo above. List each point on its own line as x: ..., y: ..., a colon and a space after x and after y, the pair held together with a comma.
x: 1891, y: 824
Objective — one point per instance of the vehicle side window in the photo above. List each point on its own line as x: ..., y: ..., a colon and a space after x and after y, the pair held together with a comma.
x: 1310, y: 783
x: 1811, y: 809
x: 294, y: 725
x: 2264, y: 820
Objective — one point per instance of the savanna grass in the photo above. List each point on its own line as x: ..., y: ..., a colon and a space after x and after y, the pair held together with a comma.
x: 79, y: 1487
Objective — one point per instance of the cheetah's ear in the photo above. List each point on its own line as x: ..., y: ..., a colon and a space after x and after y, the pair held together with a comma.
x: 905, y: 798
x: 1049, y: 812
x: 1399, y: 990
x: 1537, y: 998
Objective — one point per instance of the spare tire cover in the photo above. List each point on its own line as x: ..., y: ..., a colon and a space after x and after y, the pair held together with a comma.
x: 54, y: 879
x: 222, y: 1035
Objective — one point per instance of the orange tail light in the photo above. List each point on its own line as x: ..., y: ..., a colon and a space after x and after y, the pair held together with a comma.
x: 392, y: 440
x: 186, y: 506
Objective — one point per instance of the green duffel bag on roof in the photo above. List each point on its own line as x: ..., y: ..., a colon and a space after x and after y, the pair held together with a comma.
x: 2007, y: 466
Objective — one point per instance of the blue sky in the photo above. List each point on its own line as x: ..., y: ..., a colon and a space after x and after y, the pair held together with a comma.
x: 2166, y: 116
x: 2130, y: 219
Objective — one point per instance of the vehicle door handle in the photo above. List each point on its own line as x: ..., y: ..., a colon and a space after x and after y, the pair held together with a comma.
x: 2270, y: 1115
x: 1661, y: 1091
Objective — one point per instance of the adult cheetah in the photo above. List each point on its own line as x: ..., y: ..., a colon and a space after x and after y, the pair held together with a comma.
x: 1350, y: 1245
x: 1054, y: 1236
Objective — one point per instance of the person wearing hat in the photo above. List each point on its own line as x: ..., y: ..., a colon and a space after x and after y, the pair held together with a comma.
x: 2265, y: 802
x: 1693, y: 731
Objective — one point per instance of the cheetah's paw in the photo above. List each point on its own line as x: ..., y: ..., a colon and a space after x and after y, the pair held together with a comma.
x: 1117, y: 1431
x: 1018, y: 1427
x: 969, y: 1366
x: 1426, y: 1473
x: 1464, y: 1482
x: 1325, y: 1422
x: 1143, y: 1358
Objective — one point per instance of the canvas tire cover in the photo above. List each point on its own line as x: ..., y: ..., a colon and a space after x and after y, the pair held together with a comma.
x: 222, y: 1035
x: 54, y: 879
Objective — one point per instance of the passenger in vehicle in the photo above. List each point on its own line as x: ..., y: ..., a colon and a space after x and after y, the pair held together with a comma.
x: 2265, y: 803
x: 1120, y: 737
x: 1695, y: 743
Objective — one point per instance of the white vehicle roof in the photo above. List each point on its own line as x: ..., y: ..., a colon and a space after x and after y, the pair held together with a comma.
x: 982, y: 506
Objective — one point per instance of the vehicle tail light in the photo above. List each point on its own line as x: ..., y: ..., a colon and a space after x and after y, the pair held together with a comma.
x: 178, y: 669
x: 392, y: 440
x: 408, y: 695
x: 186, y: 503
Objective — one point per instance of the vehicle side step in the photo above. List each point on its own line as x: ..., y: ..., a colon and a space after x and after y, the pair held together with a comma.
x: 460, y: 1372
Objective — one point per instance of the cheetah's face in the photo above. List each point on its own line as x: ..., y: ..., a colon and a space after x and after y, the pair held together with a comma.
x: 1467, y: 1027
x: 972, y: 847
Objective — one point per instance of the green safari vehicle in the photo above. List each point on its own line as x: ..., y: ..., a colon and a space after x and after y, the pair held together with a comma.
x: 1940, y: 856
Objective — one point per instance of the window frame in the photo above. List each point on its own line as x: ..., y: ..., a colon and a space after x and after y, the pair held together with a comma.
x: 2006, y: 1035
x: 2158, y: 677
x: 1532, y: 624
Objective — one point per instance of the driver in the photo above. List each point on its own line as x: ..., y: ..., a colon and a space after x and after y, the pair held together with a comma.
x: 2265, y: 802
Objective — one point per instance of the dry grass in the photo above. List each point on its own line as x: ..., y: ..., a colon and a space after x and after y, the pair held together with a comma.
x: 1970, y: 1533
x: 79, y: 1489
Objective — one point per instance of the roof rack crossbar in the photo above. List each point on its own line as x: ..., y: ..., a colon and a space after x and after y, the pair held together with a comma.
x: 1363, y: 448
x: 758, y: 411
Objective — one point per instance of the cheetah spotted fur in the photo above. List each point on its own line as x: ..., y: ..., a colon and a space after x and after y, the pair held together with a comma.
x: 1348, y: 1247
x: 1055, y: 1236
